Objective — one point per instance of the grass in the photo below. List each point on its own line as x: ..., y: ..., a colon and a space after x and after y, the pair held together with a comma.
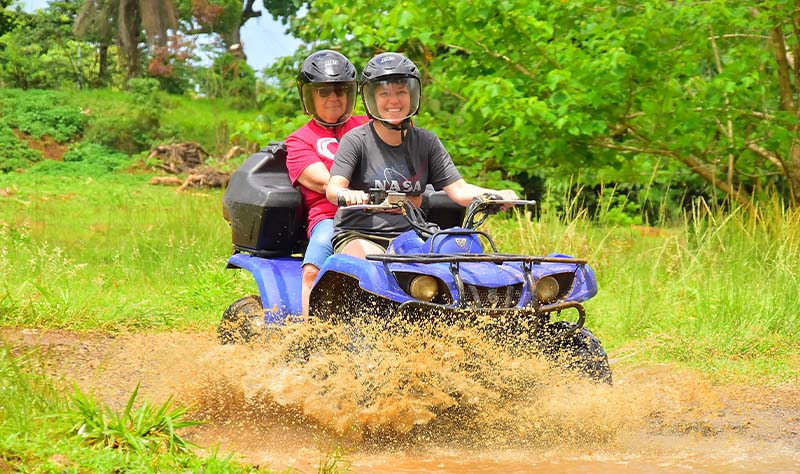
x: 41, y: 431
x: 716, y: 291
x: 181, y: 113
x: 111, y: 253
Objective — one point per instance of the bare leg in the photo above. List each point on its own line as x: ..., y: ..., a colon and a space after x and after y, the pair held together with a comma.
x: 310, y: 273
x: 361, y: 248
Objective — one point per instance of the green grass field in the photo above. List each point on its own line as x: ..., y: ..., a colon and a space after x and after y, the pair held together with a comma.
x: 717, y: 292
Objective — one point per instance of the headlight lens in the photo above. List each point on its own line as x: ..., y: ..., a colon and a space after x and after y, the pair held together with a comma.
x: 547, y: 290
x: 423, y: 288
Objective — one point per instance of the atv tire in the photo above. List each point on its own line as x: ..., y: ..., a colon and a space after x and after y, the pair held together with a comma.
x: 577, y: 349
x: 242, y: 322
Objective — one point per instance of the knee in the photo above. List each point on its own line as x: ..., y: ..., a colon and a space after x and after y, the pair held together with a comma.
x: 310, y: 273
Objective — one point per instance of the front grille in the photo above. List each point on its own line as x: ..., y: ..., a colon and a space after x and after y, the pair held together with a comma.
x: 483, y: 297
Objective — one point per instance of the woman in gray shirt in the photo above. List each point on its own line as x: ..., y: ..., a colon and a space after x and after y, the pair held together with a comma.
x: 389, y: 153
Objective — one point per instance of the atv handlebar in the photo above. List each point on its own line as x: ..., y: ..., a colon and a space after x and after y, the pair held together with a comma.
x: 479, y: 209
x: 379, y: 200
x: 485, y: 205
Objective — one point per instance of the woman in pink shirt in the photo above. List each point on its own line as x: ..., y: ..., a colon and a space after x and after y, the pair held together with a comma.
x: 327, y: 86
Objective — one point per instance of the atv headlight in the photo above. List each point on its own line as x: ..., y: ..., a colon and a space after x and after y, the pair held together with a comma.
x: 547, y: 290
x: 423, y: 287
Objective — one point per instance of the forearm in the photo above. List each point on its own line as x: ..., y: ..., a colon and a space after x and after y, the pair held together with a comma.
x: 315, y: 177
x: 335, y: 184
x: 463, y: 193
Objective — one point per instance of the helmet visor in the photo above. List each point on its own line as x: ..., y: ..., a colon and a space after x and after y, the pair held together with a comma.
x: 330, y: 103
x: 393, y: 99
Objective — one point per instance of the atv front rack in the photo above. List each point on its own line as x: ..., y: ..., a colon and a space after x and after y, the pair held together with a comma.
x: 454, y: 261
x: 458, y: 258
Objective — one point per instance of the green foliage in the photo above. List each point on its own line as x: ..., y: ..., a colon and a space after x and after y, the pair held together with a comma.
x: 14, y: 154
x: 546, y: 89
x: 34, y: 416
x: 145, y: 429
x: 267, y: 128
x: 7, y: 17
x: 230, y: 77
x: 36, y: 114
x: 136, y: 126
x: 41, y: 52
x: 84, y: 159
x: 21, y: 63
x: 334, y: 462
x: 25, y: 397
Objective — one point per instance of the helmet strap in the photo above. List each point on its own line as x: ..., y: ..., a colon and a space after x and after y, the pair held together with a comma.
x: 394, y: 126
x: 405, y: 127
x: 339, y: 122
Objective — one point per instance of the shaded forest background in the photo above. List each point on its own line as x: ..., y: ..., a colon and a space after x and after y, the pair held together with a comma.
x: 659, y: 102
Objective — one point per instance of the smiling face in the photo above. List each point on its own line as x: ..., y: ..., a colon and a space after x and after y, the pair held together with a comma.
x: 330, y: 103
x: 392, y: 100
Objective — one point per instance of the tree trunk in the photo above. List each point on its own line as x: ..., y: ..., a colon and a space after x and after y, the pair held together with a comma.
x: 130, y: 27
x: 788, y: 104
x: 102, y: 74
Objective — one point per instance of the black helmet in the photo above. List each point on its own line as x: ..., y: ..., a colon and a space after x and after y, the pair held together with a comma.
x: 383, y: 70
x: 331, y: 72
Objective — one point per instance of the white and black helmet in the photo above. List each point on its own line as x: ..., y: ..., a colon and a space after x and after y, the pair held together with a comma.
x: 331, y: 71
x: 390, y: 68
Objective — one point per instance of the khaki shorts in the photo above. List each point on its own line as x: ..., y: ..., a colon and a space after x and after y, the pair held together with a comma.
x: 342, y: 239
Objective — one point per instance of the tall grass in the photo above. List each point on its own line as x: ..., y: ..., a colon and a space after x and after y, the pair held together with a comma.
x: 112, y: 253
x: 717, y: 290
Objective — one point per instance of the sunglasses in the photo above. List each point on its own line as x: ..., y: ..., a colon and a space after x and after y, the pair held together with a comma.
x: 326, y: 91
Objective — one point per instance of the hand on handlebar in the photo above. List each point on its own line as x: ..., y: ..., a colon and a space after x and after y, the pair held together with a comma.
x: 506, y: 198
x: 349, y: 197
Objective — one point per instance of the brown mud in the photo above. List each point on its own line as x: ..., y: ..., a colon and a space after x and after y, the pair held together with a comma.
x: 453, y: 403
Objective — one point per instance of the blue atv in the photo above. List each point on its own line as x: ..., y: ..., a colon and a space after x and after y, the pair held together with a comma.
x: 444, y: 271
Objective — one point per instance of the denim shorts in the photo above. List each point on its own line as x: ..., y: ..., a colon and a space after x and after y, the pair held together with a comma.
x: 319, y: 245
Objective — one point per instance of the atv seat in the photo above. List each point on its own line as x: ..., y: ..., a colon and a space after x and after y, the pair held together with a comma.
x: 266, y: 212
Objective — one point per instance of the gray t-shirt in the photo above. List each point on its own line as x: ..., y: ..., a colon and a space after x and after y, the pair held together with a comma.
x: 367, y: 162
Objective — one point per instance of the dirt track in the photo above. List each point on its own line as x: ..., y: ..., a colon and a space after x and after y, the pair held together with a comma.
x: 428, y: 417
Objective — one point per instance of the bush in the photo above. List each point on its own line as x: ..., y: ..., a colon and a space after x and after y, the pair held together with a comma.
x: 33, y: 113
x: 86, y: 159
x: 135, y: 129
x: 13, y: 153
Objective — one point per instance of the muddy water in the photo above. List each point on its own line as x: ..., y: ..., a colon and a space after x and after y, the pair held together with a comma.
x: 446, y: 401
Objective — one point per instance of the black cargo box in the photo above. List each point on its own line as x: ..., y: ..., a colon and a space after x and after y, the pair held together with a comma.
x: 264, y: 209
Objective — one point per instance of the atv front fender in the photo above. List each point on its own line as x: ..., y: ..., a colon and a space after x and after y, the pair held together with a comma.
x: 371, y: 276
x: 279, y: 283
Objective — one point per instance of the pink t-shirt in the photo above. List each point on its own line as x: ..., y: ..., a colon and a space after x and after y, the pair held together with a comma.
x: 310, y: 144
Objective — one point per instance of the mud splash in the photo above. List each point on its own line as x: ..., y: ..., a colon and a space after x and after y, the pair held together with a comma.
x: 446, y: 401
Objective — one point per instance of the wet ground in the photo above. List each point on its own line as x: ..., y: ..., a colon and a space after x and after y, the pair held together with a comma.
x: 452, y: 404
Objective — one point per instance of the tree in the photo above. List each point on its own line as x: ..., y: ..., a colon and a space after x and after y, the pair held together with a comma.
x: 7, y: 16
x: 128, y: 21
x: 226, y: 17
x: 664, y: 91
x: 41, y: 52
